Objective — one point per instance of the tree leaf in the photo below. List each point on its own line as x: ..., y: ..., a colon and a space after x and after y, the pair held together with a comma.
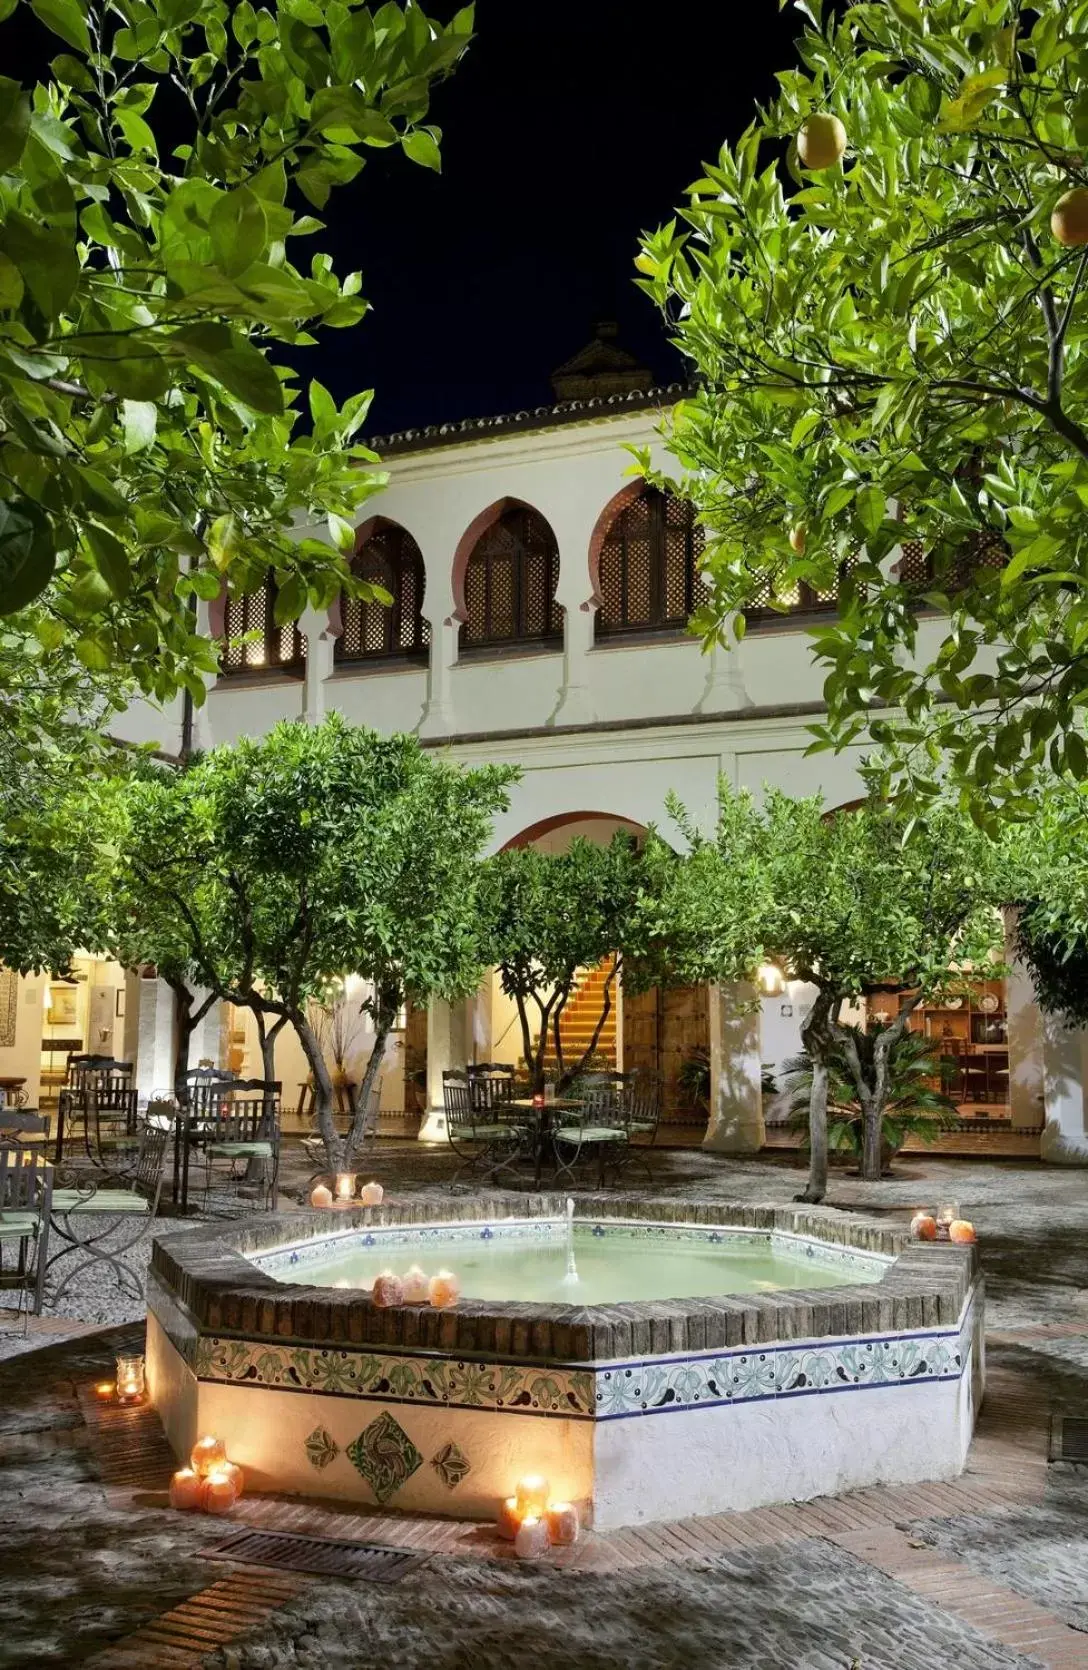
x: 66, y: 19
x: 110, y: 558
x: 140, y: 420
x: 14, y: 122
x: 239, y: 229
x: 46, y: 258
x: 421, y: 145
x: 26, y: 554
x: 235, y: 363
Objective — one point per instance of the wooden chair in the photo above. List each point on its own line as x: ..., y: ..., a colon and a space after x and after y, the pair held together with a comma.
x: 246, y: 1130
x: 477, y: 1136
x: 93, y: 1209
x: 26, y: 1190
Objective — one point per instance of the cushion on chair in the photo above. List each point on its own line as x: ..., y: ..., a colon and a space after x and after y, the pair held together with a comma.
x: 18, y: 1225
x: 592, y: 1133
x: 241, y: 1150
x: 487, y: 1133
x: 103, y: 1200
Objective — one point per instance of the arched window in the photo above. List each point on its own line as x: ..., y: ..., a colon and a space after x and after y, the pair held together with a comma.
x: 648, y: 575
x: 802, y: 600
x: 510, y: 583
x: 373, y: 631
x: 981, y: 551
x: 270, y: 646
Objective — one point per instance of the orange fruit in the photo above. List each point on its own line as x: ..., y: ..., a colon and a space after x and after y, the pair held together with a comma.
x: 799, y: 539
x: 961, y: 1231
x: 821, y: 141
x: 1069, y: 221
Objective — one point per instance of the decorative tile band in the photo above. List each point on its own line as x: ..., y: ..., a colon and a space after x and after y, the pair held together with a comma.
x: 525, y: 1389
x: 289, y: 1262
x: 620, y: 1391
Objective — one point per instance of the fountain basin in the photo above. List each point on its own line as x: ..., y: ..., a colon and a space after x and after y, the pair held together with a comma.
x: 774, y: 1354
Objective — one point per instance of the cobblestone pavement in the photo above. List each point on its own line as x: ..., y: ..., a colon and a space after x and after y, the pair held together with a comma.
x: 987, y: 1573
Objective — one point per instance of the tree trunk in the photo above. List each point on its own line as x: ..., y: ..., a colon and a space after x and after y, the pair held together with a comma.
x: 186, y: 1021
x: 356, y: 1135
x: 872, y: 1124
x: 257, y: 1170
x: 873, y: 1098
x: 816, y: 1040
x: 323, y: 1094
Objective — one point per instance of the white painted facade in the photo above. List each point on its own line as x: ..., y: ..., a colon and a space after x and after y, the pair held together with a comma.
x: 606, y: 728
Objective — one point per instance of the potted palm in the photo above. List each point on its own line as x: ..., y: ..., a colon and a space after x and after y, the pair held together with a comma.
x: 916, y: 1104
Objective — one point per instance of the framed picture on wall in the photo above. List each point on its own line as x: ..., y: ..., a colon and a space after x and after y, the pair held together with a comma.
x: 119, y: 1004
x: 62, y: 1006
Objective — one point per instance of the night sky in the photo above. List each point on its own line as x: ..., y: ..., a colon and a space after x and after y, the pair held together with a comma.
x: 567, y: 129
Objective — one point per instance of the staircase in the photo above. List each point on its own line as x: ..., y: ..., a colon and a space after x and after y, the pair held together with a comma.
x: 580, y: 1017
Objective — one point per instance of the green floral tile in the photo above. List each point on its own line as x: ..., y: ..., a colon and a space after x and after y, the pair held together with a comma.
x: 451, y: 1464
x: 321, y: 1448
x: 385, y: 1456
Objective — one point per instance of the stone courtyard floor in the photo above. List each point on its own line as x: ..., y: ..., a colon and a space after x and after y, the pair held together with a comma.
x: 987, y: 1573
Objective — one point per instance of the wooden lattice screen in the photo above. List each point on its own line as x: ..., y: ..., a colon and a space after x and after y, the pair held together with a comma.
x: 371, y: 631
x: 981, y: 551
x: 510, y: 583
x: 649, y: 577
x: 253, y: 616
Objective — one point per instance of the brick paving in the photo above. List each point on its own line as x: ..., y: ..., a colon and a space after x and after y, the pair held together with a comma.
x: 988, y: 1572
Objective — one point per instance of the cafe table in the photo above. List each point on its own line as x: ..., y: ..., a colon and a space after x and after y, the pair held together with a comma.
x: 542, y: 1124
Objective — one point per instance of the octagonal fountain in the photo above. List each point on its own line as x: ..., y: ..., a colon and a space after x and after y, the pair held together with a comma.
x: 652, y: 1359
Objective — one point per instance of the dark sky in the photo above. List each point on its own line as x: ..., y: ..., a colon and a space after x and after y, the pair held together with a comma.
x: 567, y: 129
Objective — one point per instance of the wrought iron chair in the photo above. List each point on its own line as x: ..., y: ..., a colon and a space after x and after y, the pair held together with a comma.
x: 26, y: 1189
x: 477, y: 1136
x: 25, y: 1126
x: 72, y: 1101
x: 246, y: 1130
x: 491, y: 1086
x: 599, y: 1127
x: 203, y: 1100
x: 128, y: 1197
x: 642, y: 1106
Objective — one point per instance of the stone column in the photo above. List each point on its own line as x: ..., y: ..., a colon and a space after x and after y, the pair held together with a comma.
x: 449, y: 1045
x: 155, y: 1039
x: 736, y: 1101
x: 204, y: 1045
x: 1025, y: 1024
x: 438, y: 714
x: 576, y: 705
x: 725, y: 689
x: 320, y: 644
x: 1065, y: 1132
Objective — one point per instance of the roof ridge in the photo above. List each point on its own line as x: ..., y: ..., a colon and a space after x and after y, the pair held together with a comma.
x: 538, y: 417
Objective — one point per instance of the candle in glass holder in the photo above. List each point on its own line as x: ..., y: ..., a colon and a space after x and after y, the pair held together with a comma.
x: 531, y: 1495
x: 207, y: 1455
x: 417, y: 1287
x: 130, y: 1379
x: 321, y: 1196
x: 186, y: 1489
x: 444, y: 1290
x: 508, y: 1518
x: 562, y: 1522
x: 345, y: 1187
x: 371, y: 1194
x: 532, y: 1538
x: 219, y: 1492
x: 105, y: 1390
x: 946, y: 1214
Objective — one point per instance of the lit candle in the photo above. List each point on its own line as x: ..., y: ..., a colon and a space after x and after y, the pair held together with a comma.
x: 321, y: 1196
x: 186, y: 1489
x: 444, y: 1290
x: 923, y: 1227
x: 207, y: 1455
x: 508, y: 1518
x: 104, y: 1391
x: 232, y: 1471
x: 562, y: 1522
x: 219, y: 1492
x: 387, y: 1290
x: 532, y: 1495
x: 417, y: 1288
x: 130, y: 1379
x: 532, y: 1539
x: 345, y: 1187
x: 946, y: 1215
x: 962, y: 1232
x: 371, y: 1194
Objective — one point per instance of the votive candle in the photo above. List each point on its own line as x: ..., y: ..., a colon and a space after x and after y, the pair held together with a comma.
x: 531, y: 1495
x: 387, y: 1290
x: 105, y: 1391
x: 232, y: 1471
x: 508, y: 1518
x: 207, y: 1455
x: 562, y: 1522
x: 371, y: 1194
x: 417, y: 1288
x: 923, y: 1227
x: 345, y: 1187
x: 130, y: 1379
x: 532, y: 1538
x: 321, y: 1196
x: 186, y: 1489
